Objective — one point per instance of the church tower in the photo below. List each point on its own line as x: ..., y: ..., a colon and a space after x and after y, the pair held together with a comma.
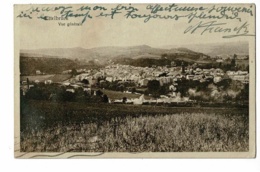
x: 182, y: 68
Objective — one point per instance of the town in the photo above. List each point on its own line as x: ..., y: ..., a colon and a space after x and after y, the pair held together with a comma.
x: 126, y: 84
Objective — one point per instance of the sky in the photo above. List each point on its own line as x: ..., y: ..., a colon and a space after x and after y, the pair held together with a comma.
x: 98, y: 32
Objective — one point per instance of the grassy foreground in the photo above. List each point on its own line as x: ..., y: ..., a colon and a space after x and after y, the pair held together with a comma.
x: 172, y: 132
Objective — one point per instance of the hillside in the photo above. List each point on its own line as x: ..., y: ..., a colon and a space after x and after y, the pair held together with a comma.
x: 49, y: 65
x: 189, y: 57
x: 216, y: 49
x: 103, y: 54
x: 56, y: 60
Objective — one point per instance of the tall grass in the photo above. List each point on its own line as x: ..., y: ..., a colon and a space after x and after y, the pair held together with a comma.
x: 183, y: 132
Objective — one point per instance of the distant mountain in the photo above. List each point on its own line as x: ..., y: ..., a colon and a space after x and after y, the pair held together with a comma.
x: 29, y: 65
x: 56, y: 60
x: 50, y: 65
x: 216, y: 49
x: 100, y: 53
x: 103, y: 54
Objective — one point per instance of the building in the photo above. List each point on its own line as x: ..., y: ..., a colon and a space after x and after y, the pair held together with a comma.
x: 67, y: 72
x: 189, y: 77
x: 242, y: 78
x: 71, y: 90
x: 48, y: 82
x: 182, y: 68
x: 217, y: 79
x: 143, y: 82
x: 109, y: 78
x: 38, y: 72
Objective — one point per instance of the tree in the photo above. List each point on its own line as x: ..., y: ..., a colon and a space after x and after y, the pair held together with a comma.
x: 74, y: 72
x: 244, y: 94
x: 163, y: 89
x: 121, y: 88
x: 153, y: 87
x: 163, y: 56
x: 133, y: 90
x: 183, y: 86
x: 85, y: 81
x: 105, y: 98
x: 68, y: 96
x: 124, y: 99
x: 220, y: 65
x: 79, y: 95
x: 99, y: 93
x: 247, y: 68
x: 224, y: 84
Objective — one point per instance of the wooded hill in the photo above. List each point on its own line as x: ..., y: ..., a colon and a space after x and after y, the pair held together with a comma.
x: 57, y: 60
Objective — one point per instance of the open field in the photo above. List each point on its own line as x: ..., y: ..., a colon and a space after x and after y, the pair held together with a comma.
x: 242, y: 62
x: 119, y: 95
x: 42, y: 78
x: 32, y: 78
x: 60, y: 77
x: 78, y: 127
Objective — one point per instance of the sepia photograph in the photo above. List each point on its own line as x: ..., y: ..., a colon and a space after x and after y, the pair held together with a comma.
x: 134, y: 80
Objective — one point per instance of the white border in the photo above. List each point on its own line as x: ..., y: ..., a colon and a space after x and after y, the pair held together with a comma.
x: 8, y: 163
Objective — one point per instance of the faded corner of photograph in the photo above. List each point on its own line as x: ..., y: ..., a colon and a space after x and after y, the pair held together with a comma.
x: 101, y: 90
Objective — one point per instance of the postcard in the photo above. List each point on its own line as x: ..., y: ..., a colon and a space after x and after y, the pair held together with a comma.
x: 135, y: 80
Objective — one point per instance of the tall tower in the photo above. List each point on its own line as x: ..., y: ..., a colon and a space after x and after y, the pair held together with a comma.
x: 28, y: 83
x: 233, y: 62
x: 182, y: 68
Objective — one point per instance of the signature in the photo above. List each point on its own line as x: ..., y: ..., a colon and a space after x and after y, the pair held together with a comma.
x: 171, y: 12
x: 217, y: 27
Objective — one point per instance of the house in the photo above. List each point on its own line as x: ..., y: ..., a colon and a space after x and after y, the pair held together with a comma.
x: 118, y: 101
x: 70, y: 90
x: 242, y: 78
x: 38, y: 72
x: 206, y: 71
x: 173, y: 64
x: 230, y: 73
x: 80, y: 70
x: 172, y: 94
x: 178, y: 77
x: 198, y: 69
x: 87, y: 89
x: 75, y: 86
x: 219, y: 71
x: 197, y: 77
x: 135, y: 77
x: 139, y: 101
x: 93, y: 81
x: 172, y: 73
x: 202, y: 80
x: 66, y: 83
x: 143, y: 82
x: 98, y: 75
x: 172, y: 88
x: 242, y: 57
x: 164, y: 96
x: 30, y: 86
x: 109, y: 78
x: 189, y: 77
x: 217, y: 79
x: 24, y: 82
x: 208, y: 77
x: 242, y: 72
x: 48, y: 82
x: 67, y: 72
x: 219, y: 60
